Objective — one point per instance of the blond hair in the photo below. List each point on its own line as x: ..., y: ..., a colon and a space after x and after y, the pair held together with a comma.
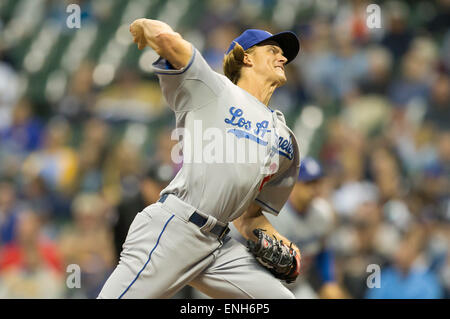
x: 233, y: 62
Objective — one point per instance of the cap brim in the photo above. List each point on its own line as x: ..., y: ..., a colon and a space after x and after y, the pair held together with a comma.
x: 288, y: 42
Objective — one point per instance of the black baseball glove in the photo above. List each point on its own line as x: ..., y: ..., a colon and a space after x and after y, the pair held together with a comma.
x: 282, y: 261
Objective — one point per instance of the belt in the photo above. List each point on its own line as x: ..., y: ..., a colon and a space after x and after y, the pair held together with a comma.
x: 199, y: 220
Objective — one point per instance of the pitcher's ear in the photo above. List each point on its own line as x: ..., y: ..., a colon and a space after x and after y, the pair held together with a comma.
x: 248, y: 61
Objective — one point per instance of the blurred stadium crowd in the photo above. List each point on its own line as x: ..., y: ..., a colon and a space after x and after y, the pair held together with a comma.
x: 85, y: 134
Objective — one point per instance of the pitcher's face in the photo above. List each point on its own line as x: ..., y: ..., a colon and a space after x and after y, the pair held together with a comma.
x: 269, y: 61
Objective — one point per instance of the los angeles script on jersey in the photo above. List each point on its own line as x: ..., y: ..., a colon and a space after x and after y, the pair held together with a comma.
x: 246, y: 130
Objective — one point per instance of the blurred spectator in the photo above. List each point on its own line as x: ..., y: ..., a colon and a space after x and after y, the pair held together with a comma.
x: 359, y: 243
x: 438, y: 112
x: 354, y: 190
x: 17, y: 140
x: 406, y: 279
x: 413, y: 82
x: 36, y: 194
x: 56, y: 162
x: 435, y: 183
x: 30, y: 267
x: 24, y: 133
x: 88, y: 243
x: 398, y: 36
x: 344, y: 66
x: 122, y: 171
x: 288, y: 98
x: 93, y: 152
x: 9, y: 208
x: 443, y: 146
x: 77, y: 103
x: 130, y: 99
x: 380, y: 71
x: 413, y: 144
x: 9, y: 91
x: 217, y: 43
x: 441, y: 20
x: 155, y: 180
x: 316, y: 51
x: 307, y: 219
x: 385, y: 171
x: 445, y: 52
x: 165, y: 145
x: 353, y: 14
x: 367, y: 114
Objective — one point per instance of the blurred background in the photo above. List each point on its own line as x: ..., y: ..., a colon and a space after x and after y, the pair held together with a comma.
x: 85, y: 136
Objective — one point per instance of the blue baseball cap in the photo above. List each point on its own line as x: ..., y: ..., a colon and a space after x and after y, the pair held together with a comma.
x: 287, y: 41
x: 310, y: 170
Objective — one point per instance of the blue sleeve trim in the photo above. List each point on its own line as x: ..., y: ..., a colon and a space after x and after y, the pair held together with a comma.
x: 149, y: 257
x: 272, y: 209
x: 170, y: 68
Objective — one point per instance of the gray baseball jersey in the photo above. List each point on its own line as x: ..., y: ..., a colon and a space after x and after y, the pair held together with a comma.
x: 163, y: 251
x: 225, y: 190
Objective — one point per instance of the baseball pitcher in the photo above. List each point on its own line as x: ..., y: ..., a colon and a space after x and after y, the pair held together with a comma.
x: 182, y: 239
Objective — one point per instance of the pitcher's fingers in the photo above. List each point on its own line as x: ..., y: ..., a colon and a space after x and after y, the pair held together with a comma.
x: 136, y: 29
x: 141, y: 44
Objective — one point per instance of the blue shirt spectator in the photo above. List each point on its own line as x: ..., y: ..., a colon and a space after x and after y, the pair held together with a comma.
x: 417, y: 284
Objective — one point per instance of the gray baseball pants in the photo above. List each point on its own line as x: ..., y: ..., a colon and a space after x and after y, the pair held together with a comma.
x: 164, y: 252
